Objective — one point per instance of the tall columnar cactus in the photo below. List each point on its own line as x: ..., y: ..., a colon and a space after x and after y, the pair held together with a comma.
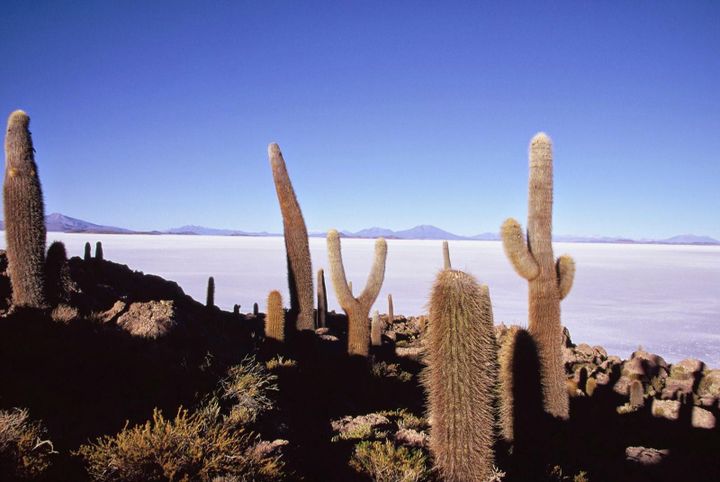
x: 376, y: 329
x: 210, y: 300
x: 461, y: 376
x: 391, y: 309
x: 275, y: 318
x: 321, y: 300
x: 99, y: 251
x: 24, y: 215
x: 357, y: 309
x: 296, y: 244
x: 88, y: 252
x: 446, y: 256
x: 549, y: 280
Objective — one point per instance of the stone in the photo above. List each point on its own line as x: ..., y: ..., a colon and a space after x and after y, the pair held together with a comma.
x: 669, y: 409
x: 152, y: 319
x: 674, y: 387
x: 702, y: 418
x: 709, y: 384
x: 113, y: 312
x: 686, y: 369
x: 413, y: 438
x: 645, y: 456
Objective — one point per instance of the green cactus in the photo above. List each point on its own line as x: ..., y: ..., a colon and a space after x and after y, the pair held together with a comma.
x: 24, y: 215
x: 99, y: 251
x: 376, y: 330
x: 296, y: 244
x: 275, y: 318
x: 461, y: 377
x: 88, y: 252
x: 357, y: 309
x: 210, y: 300
x: 549, y: 280
x: 321, y: 300
x: 446, y: 256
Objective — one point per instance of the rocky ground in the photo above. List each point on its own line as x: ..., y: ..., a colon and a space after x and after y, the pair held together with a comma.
x: 118, y: 344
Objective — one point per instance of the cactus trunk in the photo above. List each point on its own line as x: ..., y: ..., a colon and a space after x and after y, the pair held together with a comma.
x: 210, y: 301
x: 446, y: 256
x: 275, y: 318
x: 391, y: 309
x: 296, y: 244
x: 24, y: 215
x: 376, y: 330
x: 321, y: 300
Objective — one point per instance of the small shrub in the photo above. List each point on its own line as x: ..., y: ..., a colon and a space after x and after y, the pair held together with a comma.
x: 247, y: 386
x: 391, y: 370
x: 384, y: 462
x: 23, y: 452
x: 278, y: 363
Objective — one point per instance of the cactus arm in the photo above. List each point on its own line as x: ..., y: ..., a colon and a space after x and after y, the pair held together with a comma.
x: 517, y: 250
x: 565, y: 267
x: 337, y: 270
x: 376, y: 277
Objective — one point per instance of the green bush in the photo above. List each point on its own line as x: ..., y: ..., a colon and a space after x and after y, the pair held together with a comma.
x: 23, y: 452
x: 385, y: 462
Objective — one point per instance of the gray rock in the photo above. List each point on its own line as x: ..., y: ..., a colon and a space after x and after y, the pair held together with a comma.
x: 152, y: 319
x: 645, y: 456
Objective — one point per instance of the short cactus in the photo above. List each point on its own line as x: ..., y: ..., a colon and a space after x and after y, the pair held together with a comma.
x: 391, y: 309
x: 88, y: 252
x: 637, y: 394
x: 296, y: 244
x: 549, y: 280
x: 256, y: 309
x: 275, y: 318
x: 357, y: 309
x: 461, y: 377
x: 446, y: 256
x: 99, y: 251
x: 376, y: 330
x: 57, y: 274
x: 24, y: 215
x: 236, y: 309
x: 210, y: 300
x: 321, y: 300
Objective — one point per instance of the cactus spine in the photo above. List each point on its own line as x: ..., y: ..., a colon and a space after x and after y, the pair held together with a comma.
x: 461, y: 377
x: 88, y: 252
x: 296, y: 244
x: 24, y: 215
x: 376, y: 330
x: 391, y: 309
x: 275, y: 318
x: 99, y: 251
x: 637, y: 394
x: 321, y: 299
x: 357, y: 309
x: 446, y: 256
x: 549, y: 280
x: 210, y: 301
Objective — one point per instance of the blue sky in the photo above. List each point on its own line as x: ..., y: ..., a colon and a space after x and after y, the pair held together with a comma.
x: 157, y: 114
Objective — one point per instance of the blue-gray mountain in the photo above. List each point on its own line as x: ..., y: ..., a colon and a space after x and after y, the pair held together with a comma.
x: 65, y: 224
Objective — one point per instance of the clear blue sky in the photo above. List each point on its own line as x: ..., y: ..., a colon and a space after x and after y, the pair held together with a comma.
x: 157, y: 114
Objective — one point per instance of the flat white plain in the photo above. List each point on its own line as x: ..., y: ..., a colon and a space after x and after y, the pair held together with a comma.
x: 663, y: 298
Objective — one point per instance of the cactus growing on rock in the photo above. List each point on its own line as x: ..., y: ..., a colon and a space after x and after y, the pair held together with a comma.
x: 549, y: 280
x: 321, y: 299
x: 88, y: 252
x: 637, y: 394
x: 256, y: 309
x: 391, y: 309
x: 58, y: 282
x: 275, y: 318
x: 461, y: 377
x: 24, y: 215
x: 99, y: 251
x: 210, y: 300
x: 376, y: 330
x: 446, y: 256
x: 296, y: 244
x: 357, y: 309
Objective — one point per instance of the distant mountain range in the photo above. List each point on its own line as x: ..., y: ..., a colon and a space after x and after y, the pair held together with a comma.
x: 65, y: 224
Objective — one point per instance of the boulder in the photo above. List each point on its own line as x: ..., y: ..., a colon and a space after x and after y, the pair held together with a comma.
x: 709, y: 386
x: 152, y: 319
x: 645, y: 456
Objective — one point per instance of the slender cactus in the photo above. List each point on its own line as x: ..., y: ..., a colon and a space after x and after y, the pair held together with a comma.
x: 24, y: 215
x: 88, y: 252
x: 376, y: 330
x: 549, y: 280
x: 357, y: 309
x: 391, y: 309
x: 321, y: 300
x: 461, y: 377
x: 256, y: 309
x: 236, y: 309
x: 57, y: 274
x: 99, y: 251
x: 275, y: 318
x: 210, y: 301
x: 446, y: 256
x: 296, y: 244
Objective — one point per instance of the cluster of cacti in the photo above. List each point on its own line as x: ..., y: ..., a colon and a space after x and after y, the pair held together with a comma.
x: 321, y: 300
x: 296, y: 244
x: 357, y: 309
x: 461, y: 377
x: 549, y: 280
x: 24, y: 215
x: 275, y: 318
